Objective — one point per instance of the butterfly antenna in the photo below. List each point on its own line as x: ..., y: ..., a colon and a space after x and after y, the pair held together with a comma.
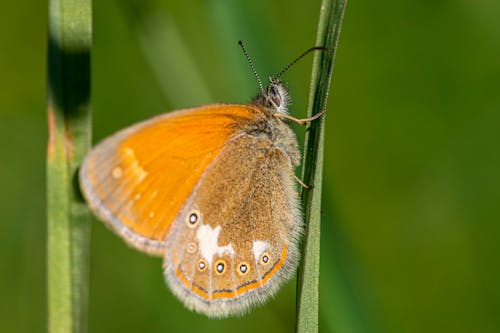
x: 250, y: 62
x: 314, y: 48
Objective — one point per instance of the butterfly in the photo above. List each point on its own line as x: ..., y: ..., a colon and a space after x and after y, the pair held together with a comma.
x: 212, y: 190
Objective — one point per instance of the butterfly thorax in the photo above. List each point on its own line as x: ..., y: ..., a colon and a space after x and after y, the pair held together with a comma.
x: 275, y: 99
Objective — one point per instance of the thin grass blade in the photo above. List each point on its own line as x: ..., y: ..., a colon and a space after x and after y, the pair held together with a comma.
x: 330, y: 22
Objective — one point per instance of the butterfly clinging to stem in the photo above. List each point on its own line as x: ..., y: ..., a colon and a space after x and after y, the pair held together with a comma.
x: 212, y: 190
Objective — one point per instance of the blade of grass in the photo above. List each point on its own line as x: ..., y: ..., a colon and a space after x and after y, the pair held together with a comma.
x: 330, y: 22
x: 69, y: 126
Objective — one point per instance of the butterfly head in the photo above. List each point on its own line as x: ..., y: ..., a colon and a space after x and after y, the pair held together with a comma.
x: 274, y: 97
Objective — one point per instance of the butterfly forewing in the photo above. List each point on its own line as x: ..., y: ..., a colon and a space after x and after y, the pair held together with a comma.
x: 138, y: 179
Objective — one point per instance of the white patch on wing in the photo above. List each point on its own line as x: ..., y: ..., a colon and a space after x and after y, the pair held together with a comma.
x: 258, y: 248
x: 208, y: 239
x: 135, y: 168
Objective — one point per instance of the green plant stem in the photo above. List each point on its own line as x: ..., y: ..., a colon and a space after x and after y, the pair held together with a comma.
x: 330, y: 22
x: 69, y: 126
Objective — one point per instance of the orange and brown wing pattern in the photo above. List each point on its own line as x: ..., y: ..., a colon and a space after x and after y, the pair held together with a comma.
x: 137, y: 179
x: 235, y: 240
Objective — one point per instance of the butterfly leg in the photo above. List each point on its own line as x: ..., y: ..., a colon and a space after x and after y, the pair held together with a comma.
x: 304, y: 185
x: 300, y: 121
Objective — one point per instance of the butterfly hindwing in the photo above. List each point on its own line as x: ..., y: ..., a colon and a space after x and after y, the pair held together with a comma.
x: 235, y: 239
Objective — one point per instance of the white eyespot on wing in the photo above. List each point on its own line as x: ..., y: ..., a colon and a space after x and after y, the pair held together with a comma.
x: 258, y: 248
x: 117, y: 173
x: 208, y: 239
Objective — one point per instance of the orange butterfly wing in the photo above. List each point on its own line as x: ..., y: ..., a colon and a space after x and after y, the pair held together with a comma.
x: 139, y: 178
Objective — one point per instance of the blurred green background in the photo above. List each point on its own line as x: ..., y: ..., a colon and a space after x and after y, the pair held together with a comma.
x: 410, y: 235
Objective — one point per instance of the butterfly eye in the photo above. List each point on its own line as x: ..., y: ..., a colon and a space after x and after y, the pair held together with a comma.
x: 274, y: 96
